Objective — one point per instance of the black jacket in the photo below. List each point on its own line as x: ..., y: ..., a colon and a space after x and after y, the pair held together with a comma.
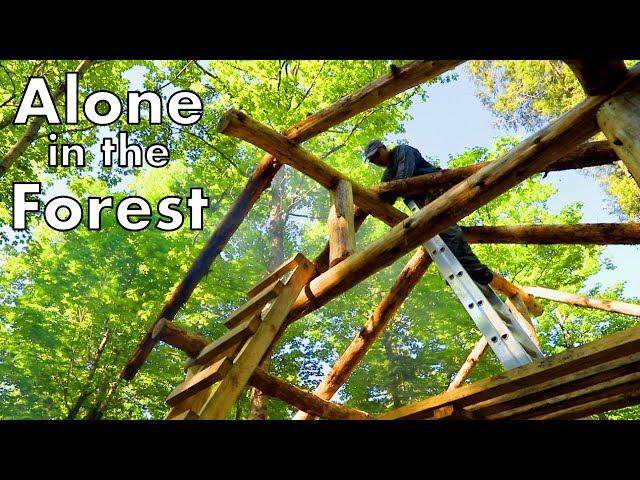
x: 407, y: 162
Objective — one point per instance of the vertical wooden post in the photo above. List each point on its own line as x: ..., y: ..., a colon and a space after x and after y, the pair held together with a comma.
x: 469, y: 364
x: 521, y: 314
x: 341, y: 225
x: 619, y: 119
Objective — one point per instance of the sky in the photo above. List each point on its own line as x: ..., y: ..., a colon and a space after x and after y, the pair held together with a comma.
x: 453, y: 119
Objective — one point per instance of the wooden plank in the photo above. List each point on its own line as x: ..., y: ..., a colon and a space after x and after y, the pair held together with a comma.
x: 570, y: 361
x: 303, y: 399
x: 194, y: 402
x: 469, y: 364
x: 619, y: 119
x: 341, y: 223
x: 219, y: 348
x: 369, y: 96
x: 453, y: 412
x: 255, y: 304
x: 203, y: 379
x: 169, y: 333
x: 249, y: 358
x: 597, y: 406
x: 580, y: 234
x: 186, y: 415
x: 582, y: 301
x: 597, y: 76
x: 589, y: 154
x: 506, y: 405
x: 277, y: 273
x: 408, y: 278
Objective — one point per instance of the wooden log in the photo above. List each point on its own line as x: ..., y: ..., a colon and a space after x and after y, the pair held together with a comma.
x: 302, y: 399
x: 582, y: 301
x: 619, y: 119
x: 597, y: 76
x: 217, y: 407
x: 237, y: 124
x: 254, y: 305
x: 535, y: 153
x: 521, y: 314
x: 190, y: 343
x: 469, y: 364
x: 286, y: 267
x: 341, y: 223
x: 322, y: 260
x: 194, y: 402
x: 375, y: 93
x: 585, y: 233
x: 203, y: 379
x: 509, y: 289
x: 569, y: 362
x: 219, y: 348
x: 372, y: 329
x: 452, y: 412
x: 588, y: 154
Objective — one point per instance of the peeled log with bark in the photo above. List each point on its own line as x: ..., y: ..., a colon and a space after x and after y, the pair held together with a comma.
x: 371, y: 331
x: 597, y: 76
x: 585, y: 233
x: 582, y: 301
x: 341, y: 224
x: 469, y: 364
x: 510, y: 290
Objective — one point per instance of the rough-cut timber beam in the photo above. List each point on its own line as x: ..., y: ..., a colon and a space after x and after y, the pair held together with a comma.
x: 302, y: 399
x: 588, y: 154
x: 341, y: 224
x: 597, y: 76
x: 619, y: 119
x: 534, y: 154
x: 585, y: 233
x: 469, y: 364
x: 188, y: 342
x: 369, y: 96
x: 581, y: 301
x: 383, y: 314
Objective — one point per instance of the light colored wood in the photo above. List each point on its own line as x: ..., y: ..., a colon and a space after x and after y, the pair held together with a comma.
x: 203, y: 379
x: 286, y: 267
x: 597, y: 406
x: 372, y: 94
x: 619, y: 119
x: 469, y: 364
x: 186, y: 415
x: 582, y: 301
x: 303, y: 399
x: 586, y: 155
x: 249, y: 358
x: 521, y: 314
x: 219, y: 348
x: 452, y: 412
x: 254, y: 305
x: 194, y: 402
x: 568, y: 362
x: 342, y: 230
x: 597, y: 76
x: 381, y: 317
x: 504, y: 286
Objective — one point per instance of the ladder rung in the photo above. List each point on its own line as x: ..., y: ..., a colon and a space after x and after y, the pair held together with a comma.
x: 219, y: 348
x: 201, y: 380
x: 255, y: 305
x: 287, y: 266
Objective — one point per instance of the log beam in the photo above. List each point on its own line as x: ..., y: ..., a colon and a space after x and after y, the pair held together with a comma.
x: 619, y: 119
x: 302, y: 399
x: 582, y: 301
x: 510, y: 290
x: 597, y: 76
x: 469, y: 364
x: 372, y: 329
x: 169, y: 333
x: 382, y: 89
x: 341, y: 223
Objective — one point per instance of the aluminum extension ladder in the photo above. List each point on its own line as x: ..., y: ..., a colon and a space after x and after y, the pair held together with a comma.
x: 504, y: 333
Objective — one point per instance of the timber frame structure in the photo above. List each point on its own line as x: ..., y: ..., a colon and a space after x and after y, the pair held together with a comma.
x: 594, y: 378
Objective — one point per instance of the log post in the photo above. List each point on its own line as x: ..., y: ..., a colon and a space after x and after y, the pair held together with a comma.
x: 341, y: 224
x: 469, y: 364
x: 509, y: 289
x: 619, y: 119
x: 519, y: 311
x: 582, y: 301
x: 383, y: 314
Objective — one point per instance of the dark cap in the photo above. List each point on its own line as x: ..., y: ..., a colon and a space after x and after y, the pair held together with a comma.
x: 372, y: 147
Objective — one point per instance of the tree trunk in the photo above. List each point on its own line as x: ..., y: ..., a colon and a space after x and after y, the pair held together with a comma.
x: 394, y: 382
x: 277, y: 221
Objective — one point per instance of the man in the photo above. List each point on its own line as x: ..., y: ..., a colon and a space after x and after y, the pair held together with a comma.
x: 404, y: 161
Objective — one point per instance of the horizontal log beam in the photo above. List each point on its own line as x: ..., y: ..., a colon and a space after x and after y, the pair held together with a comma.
x: 534, y: 154
x: 582, y: 301
x: 169, y: 333
x: 597, y: 76
x: 579, y: 234
x: 588, y: 154
x: 382, y: 89
x: 302, y: 399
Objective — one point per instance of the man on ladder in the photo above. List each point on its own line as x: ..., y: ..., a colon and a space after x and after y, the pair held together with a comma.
x: 403, y: 162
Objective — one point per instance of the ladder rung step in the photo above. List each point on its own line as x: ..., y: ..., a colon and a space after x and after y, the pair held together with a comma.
x: 201, y: 380
x: 218, y: 348
x: 255, y: 305
x: 287, y: 266
x: 186, y: 415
